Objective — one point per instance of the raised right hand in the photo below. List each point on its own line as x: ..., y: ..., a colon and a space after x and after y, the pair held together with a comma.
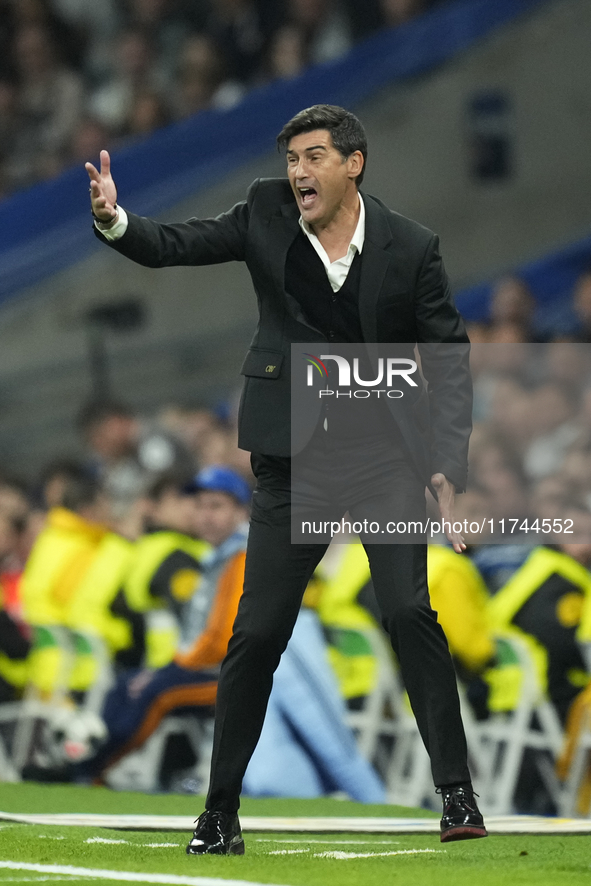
x: 103, y: 193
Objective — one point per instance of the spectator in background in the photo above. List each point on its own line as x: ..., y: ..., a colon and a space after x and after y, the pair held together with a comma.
x: 135, y: 706
x: 228, y: 46
x: 396, y: 12
x: 582, y: 306
x: 95, y: 26
x: 166, y: 23
x: 569, y: 364
x: 549, y: 497
x: 209, y: 438
x: 11, y: 563
x: 8, y: 125
x: 287, y: 56
x: 54, y: 480
x: 545, y: 599
x: 14, y: 502
x: 199, y: 76
x: 497, y: 470
x: 509, y: 416
x: 129, y: 454
x: 575, y: 472
x: 15, y: 643
x: 68, y: 39
x: 49, y: 105
x: 191, y: 425
x: 6, y: 38
x: 323, y: 29
x: 552, y: 414
x: 166, y: 566
x: 512, y: 303
x: 364, y: 18
x: 135, y: 71
x: 90, y: 134
x: 149, y: 112
x: 242, y: 31
x: 62, y: 553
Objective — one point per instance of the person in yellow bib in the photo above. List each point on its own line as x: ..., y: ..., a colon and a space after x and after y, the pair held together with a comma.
x: 545, y: 600
x: 14, y: 650
x: 165, y: 569
x: 139, y: 701
x: 62, y: 554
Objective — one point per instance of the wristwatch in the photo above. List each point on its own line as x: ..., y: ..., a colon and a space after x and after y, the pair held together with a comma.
x: 105, y: 224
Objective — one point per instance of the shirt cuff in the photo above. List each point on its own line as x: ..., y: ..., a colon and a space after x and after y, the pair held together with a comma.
x: 118, y: 229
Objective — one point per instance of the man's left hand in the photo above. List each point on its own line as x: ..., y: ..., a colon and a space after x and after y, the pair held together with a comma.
x: 446, y: 496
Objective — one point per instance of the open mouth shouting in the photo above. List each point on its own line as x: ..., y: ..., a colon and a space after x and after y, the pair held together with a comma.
x: 307, y: 196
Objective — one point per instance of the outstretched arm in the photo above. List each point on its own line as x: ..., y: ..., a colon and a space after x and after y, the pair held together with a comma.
x: 154, y: 245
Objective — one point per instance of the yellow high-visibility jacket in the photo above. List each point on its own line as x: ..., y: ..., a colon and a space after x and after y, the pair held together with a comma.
x: 163, y: 576
x: 62, y: 553
x: 554, y: 630
x: 59, y: 560
x: 460, y: 598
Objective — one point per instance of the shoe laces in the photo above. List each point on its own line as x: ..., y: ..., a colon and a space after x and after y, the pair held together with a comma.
x: 457, y: 795
x: 213, y: 815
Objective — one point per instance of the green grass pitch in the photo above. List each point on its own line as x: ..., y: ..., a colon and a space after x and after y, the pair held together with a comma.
x: 279, y: 859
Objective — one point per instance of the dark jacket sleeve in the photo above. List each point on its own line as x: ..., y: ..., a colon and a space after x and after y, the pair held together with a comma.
x: 445, y: 360
x: 197, y: 241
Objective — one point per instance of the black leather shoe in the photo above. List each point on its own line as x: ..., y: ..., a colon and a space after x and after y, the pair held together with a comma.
x: 217, y: 833
x: 461, y: 818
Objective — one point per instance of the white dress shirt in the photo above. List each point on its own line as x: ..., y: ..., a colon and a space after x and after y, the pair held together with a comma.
x: 118, y: 229
x: 337, y: 270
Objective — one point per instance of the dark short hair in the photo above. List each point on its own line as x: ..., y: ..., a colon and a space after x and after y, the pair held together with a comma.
x: 80, y: 491
x: 96, y: 411
x: 347, y: 133
x: 175, y: 480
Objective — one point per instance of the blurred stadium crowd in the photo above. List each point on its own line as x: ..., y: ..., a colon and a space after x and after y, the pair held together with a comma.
x: 530, y: 452
x: 76, y: 77
x: 104, y: 559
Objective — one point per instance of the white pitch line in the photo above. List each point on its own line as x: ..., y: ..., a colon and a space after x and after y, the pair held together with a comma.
x: 510, y: 824
x: 127, y: 842
x: 288, y: 851
x: 35, y: 880
x: 125, y: 876
x: 330, y: 842
x: 108, y: 840
x: 344, y: 856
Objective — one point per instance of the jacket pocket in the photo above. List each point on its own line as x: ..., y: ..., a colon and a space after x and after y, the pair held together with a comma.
x: 262, y: 363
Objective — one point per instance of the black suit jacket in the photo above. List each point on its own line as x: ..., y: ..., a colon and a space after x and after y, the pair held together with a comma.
x: 404, y: 297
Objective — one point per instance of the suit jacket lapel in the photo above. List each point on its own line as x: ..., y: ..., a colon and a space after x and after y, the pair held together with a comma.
x: 283, y: 231
x: 375, y: 261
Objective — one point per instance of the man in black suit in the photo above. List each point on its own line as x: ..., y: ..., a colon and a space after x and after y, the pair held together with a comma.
x: 329, y: 264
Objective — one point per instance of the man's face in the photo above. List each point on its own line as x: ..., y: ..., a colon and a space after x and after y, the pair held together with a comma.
x: 321, y: 179
x: 216, y: 516
x: 112, y: 438
x: 173, y: 510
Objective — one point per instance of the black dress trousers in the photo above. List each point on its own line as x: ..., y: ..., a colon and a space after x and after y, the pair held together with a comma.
x: 276, y: 576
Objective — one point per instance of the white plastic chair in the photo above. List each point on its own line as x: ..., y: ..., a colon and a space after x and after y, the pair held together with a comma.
x: 140, y: 769
x: 499, y: 743
x: 386, y: 714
